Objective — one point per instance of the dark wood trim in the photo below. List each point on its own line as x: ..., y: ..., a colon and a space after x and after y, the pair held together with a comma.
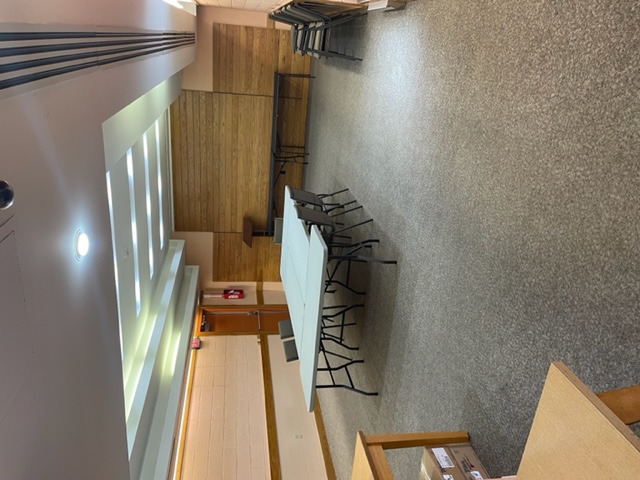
x: 196, y: 322
x: 233, y: 334
x: 185, y: 416
x: 324, y: 442
x: 243, y: 308
x: 270, y: 410
x: 259, y: 294
x: 187, y: 400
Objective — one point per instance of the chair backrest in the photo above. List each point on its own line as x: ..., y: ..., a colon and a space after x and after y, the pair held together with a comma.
x: 304, y: 14
x: 315, y: 217
x: 306, y: 198
x: 283, y: 17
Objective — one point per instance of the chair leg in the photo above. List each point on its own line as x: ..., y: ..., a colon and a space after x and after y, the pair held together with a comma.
x: 345, y: 367
x: 326, y: 352
x: 362, y: 259
x: 343, y: 285
x: 344, y: 229
x: 336, y: 340
x: 343, y: 311
x: 329, y: 307
x: 353, y: 250
x: 346, y: 211
x: 348, y: 387
x: 336, y: 206
x: 324, y: 195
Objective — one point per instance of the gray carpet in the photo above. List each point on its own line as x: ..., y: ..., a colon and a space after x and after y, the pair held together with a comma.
x: 496, y: 145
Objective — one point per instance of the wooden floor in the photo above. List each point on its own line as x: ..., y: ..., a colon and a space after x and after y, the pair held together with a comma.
x: 226, y: 430
x: 226, y: 433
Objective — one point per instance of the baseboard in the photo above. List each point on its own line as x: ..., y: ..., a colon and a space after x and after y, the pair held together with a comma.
x: 270, y: 411
x: 324, y: 442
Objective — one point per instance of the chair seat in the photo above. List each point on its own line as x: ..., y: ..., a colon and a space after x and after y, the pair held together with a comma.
x: 290, y: 351
x: 286, y: 329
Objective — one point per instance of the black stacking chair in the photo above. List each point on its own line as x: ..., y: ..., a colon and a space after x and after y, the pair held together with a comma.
x: 325, y: 221
x: 341, y: 250
x: 335, y: 362
x: 306, y: 15
x: 314, y: 40
x: 304, y: 197
x: 337, y: 320
x: 306, y: 12
x: 311, y: 24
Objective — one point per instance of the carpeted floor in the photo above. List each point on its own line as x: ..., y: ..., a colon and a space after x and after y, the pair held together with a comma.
x: 496, y: 144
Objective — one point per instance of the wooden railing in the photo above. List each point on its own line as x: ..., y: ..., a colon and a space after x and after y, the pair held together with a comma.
x: 369, y: 461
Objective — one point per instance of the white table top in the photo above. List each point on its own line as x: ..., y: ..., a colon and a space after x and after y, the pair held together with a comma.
x: 293, y: 265
x: 302, y: 269
x: 316, y: 269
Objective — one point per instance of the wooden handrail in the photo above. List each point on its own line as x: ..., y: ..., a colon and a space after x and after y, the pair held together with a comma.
x: 420, y: 439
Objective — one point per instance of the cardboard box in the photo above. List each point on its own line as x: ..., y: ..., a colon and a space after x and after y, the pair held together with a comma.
x: 438, y: 464
x: 467, y: 460
x: 452, y: 462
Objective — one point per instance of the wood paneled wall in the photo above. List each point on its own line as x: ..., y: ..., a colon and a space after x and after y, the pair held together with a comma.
x: 221, y: 142
x: 245, y: 58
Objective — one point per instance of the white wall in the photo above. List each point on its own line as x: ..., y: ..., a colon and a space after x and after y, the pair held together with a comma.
x: 156, y: 293
x: 67, y: 420
x: 129, y: 196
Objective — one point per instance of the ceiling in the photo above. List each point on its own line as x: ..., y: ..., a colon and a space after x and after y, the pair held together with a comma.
x: 62, y: 378
x: 248, y: 5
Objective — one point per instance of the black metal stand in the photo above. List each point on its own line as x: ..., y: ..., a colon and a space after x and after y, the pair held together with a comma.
x: 276, y: 155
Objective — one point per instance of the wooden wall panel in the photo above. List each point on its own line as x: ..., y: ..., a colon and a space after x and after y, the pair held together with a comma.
x: 193, y: 166
x: 221, y: 142
x: 287, y: 62
x: 245, y: 58
x: 238, y: 183
x: 235, y: 262
x: 221, y: 160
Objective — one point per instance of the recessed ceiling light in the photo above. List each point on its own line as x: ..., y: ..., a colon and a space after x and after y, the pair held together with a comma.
x: 6, y: 195
x: 82, y: 244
